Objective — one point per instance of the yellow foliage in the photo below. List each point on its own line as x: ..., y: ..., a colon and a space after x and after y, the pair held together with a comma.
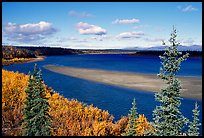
x: 14, y: 61
x: 13, y: 96
x: 13, y: 86
x: 120, y: 126
x: 142, y: 125
x: 69, y: 117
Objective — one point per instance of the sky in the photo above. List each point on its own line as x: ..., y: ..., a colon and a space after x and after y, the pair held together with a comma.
x: 100, y: 25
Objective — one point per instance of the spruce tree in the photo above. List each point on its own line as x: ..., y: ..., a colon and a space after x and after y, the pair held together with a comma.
x: 131, y: 126
x: 194, y: 125
x: 168, y: 118
x: 36, y: 121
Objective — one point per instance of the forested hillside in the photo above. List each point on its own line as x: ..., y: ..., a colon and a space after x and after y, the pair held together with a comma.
x: 69, y: 117
x: 20, y: 54
x: 10, y: 52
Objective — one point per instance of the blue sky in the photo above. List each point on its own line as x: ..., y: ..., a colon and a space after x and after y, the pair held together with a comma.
x: 99, y: 25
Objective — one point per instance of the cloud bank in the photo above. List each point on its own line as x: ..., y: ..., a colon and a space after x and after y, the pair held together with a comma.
x: 27, y: 33
x: 89, y: 29
x: 129, y: 35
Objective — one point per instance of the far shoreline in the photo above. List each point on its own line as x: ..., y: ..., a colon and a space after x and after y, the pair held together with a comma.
x: 27, y: 60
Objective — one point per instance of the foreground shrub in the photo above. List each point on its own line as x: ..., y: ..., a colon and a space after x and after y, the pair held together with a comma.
x: 69, y: 117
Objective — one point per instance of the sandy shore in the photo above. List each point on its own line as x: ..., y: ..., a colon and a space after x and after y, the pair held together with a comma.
x: 191, y: 86
x: 38, y: 58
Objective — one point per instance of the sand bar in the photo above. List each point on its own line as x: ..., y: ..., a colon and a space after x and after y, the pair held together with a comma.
x: 191, y: 86
x: 38, y: 58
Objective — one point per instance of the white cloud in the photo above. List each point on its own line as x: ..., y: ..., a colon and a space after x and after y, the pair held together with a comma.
x: 65, y: 39
x: 71, y: 39
x: 97, y: 38
x: 129, y: 35
x: 88, y: 29
x: 28, y: 32
x: 188, y: 41
x: 102, y: 38
x: 79, y: 14
x: 188, y: 8
x: 126, y: 21
x: 154, y: 39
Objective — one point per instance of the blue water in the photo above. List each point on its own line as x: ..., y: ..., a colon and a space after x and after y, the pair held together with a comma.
x: 116, y: 100
x: 144, y: 64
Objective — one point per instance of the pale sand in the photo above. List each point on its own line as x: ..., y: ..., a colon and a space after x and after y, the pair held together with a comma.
x: 191, y: 86
x: 38, y: 58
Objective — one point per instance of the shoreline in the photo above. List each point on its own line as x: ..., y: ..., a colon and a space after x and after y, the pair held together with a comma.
x: 38, y: 58
x: 26, y: 60
x: 137, y: 81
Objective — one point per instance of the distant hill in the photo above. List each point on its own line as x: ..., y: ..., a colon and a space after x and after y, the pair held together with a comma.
x: 162, y: 48
x: 41, y: 51
x: 10, y: 52
x: 134, y: 48
x: 190, y: 48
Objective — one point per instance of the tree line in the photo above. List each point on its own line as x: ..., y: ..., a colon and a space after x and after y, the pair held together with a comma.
x: 31, y: 51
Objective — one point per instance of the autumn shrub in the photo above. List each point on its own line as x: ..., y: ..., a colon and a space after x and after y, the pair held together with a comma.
x: 74, y: 118
x: 69, y: 117
x: 13, y: 95
x: 143, y: 125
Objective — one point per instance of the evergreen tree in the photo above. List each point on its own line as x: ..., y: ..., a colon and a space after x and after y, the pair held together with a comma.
x: 131, y: 126
x: 169, y: 121
x: 194, y: 125
x: 36, y: 121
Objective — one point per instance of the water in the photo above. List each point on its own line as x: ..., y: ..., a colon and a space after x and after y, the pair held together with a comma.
x: 116, y: 100
x: 144, y: 64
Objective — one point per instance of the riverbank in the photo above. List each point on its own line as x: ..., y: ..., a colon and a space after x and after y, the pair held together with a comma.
x: 21, y: 60
x: 192, y: 86
x: 39, y: 58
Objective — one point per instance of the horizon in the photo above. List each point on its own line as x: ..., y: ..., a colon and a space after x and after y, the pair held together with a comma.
x: 155, y: 48
x: 82, y: 25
